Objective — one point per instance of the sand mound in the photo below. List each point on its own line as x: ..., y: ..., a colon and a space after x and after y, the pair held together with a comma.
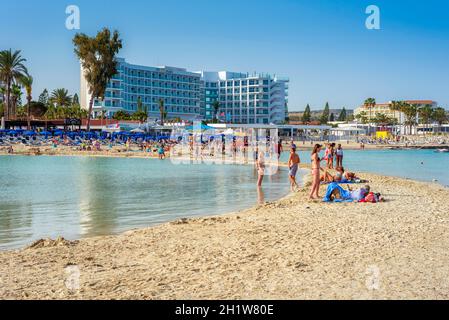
x: 50, y: 243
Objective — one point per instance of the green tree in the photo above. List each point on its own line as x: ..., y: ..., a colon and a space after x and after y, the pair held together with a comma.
x: 27, y: 82
x: 425, y: 114
x: 43, y: 97
x: 60, y: 98
x: 216, y: 107
x: 343, y: 115
x: 12, y: 68
x: 325, y: 115
x: 16, y: 99
x: 440, y: 116
x: 362, y: 117
x: 410, y: 112
x: 75, y: 100
x: 332, y: 117
x: 38, y: 109
x: 98, y: 60
x: 162, y: 110
x: 121, y: 115
x: 370, y: 103
x: 306, y: 116
x: 382, y: 119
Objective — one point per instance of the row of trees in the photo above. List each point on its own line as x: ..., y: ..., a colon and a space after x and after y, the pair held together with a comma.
x: 413, y: 114
x: 98, y: 59
x: 14, y: 77
x: 326, y: 116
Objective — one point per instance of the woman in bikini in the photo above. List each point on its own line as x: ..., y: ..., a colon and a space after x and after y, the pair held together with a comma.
x: 260, y: 164
x: 315, y: 172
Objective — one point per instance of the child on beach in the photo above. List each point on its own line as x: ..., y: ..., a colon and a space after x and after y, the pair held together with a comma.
x: 293, y: 164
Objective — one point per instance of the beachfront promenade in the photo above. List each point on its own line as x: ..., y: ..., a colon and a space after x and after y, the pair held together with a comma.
x: 289, y: 249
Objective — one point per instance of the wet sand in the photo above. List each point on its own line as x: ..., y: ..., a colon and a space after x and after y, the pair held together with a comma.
x: 289, y: 249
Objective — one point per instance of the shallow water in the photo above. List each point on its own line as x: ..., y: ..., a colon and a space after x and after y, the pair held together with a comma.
x: 79, y: 197
x: 422, y: 165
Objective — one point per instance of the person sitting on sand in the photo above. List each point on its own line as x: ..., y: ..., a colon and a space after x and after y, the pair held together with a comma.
x: 293, y: 164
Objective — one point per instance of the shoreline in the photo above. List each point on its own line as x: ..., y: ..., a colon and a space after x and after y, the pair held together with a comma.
x: 320, y: 251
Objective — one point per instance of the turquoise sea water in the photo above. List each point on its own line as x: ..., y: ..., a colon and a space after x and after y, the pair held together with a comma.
x: 423, y: 165
x: 77, y: 197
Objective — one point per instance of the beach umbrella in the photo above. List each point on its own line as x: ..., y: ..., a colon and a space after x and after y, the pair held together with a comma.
x: 29, y: 133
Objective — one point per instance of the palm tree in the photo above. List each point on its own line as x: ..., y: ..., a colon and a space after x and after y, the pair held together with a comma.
x: 11, y: 70
x: 162, y: 110
x: 97, y: 57
x: 16, y: 94
x: 362, y: 117
x: 60, y: 98
x: 425, y: 114
x: 27, y: 83
x: 440, y: 116
x: 410, y: 112
x: 216, y: 106
x: 370, y: 103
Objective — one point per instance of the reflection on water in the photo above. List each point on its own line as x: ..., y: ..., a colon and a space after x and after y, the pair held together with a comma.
x: 83, y: 197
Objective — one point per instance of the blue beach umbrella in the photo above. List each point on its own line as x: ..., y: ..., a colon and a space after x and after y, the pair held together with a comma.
x: 29, y: 133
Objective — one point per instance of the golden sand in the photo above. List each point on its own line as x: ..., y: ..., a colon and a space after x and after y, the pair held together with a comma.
x: 289, y: 249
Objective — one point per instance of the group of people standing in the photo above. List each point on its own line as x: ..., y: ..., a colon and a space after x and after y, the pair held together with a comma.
x: 333, y: 155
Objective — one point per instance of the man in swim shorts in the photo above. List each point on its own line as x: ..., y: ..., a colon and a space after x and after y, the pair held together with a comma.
x: 293, y: 164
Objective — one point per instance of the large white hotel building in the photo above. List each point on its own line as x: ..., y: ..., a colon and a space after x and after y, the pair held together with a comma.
x: 243, y: 98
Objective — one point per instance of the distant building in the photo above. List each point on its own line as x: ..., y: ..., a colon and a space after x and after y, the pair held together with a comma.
x: 243, y: 98
x: 178, y: 88
x: 188, y: 95
x: 385, y: 109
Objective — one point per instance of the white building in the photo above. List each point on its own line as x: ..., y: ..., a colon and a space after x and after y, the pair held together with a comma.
x: 190, y: 95
x: 178, y: 88
x: 244, y: 98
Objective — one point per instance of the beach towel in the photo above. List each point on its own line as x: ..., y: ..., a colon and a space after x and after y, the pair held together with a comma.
x: 345, y: 194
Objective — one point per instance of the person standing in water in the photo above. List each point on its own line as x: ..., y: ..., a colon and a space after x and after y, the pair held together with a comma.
x: 279, y: 148
x: 316, y: 168
x: 260, y: 163
x: 161, y: 151
x: 293, y: 164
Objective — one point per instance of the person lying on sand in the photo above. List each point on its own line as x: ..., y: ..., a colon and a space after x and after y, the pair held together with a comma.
x: 341, y: 176
x: 335, y: 193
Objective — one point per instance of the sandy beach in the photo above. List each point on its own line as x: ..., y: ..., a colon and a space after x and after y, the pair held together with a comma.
x: 289, y: 249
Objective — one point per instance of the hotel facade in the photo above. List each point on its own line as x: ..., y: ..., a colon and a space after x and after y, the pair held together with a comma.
x: 385, y: 109
x: 243, y: 98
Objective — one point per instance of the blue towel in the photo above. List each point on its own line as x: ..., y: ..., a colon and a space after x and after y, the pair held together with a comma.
x: 345, y: 194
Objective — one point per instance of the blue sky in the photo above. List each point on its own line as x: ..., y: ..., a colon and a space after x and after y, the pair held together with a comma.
x: 321, y: 45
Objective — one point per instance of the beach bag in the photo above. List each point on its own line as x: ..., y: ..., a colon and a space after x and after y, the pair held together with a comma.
x: 370, y: 198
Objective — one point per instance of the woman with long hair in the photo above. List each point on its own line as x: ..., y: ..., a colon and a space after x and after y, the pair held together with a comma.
x: 316, y: 168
